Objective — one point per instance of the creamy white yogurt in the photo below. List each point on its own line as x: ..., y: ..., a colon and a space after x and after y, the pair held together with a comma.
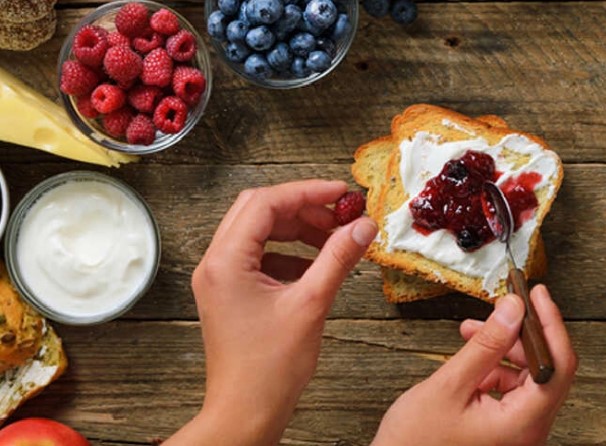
x: 86, y: 248
x: 422, y: 158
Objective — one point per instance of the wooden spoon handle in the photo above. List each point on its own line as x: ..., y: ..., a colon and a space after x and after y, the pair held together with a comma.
x: 537, y: 353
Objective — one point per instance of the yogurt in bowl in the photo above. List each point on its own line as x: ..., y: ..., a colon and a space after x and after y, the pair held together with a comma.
x: 82, y: 247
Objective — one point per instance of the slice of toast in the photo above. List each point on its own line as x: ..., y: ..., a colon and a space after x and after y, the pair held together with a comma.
x: 441, y: 129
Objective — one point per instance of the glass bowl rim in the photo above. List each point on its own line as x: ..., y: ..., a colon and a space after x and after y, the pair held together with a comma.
x: 12, y: 238
x: 5, y: 210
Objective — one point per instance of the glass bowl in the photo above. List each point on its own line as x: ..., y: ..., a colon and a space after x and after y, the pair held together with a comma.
x: 4, y: 204
x: 104, y: 16
x: 82, y: 248
x: 350, y: 7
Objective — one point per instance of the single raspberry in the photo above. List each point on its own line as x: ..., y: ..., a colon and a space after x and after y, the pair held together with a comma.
x: 116, y: 123
x: 122, y: 64
x: 157, y: 68
x: 90, y: 45
x: 107, y: 98
x: 132, y: 19
x: 85, y: 107
x: 145, y: 98
x: 189, y: 84
x: 164, y: 22
x: 77, y: 79
x: 148, y: 41
x: 141, y: 131
x: 117, y: 39
x: 170, y: 115
x: 349, y: 207
x: 182, y: 46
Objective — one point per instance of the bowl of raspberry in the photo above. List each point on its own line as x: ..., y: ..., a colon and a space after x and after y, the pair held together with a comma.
x: 281, y: 44
x: 134, y: 76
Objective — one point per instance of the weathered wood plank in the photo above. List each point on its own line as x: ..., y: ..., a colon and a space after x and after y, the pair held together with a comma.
x: 131, y: 382
x: 539, y: 65
x: 185, y: 201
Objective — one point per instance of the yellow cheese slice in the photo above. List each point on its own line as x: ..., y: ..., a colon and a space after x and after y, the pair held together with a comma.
x: 30, y: 119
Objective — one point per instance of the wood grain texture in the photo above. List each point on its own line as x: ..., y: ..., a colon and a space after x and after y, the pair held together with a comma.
x: 130, y: 382
x: 541, y: 66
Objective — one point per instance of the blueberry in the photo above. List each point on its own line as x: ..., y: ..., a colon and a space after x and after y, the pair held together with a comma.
x: 236, y: 31
x: 298, y: 68
x: 404, y: 11
x: 376, y: 8
x: 260, y: 38
x: 320, y: 13
x: 306, y: 26
x: 236, y: 51
x: 468, y: 240
x: 242, y: 13
x: 280, y: 57
x: 264, y: 11
x: 302, y: 44
x: 318, y: 61
x: 341, y: 27
x: 216, y: 24
x: 256, y: 66
x: 288, y: 22
x: 456, y: 171
x: 327, y: 45
x: 229, y: 7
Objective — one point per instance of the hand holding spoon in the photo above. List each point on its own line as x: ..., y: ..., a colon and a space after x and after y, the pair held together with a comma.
x: 500, y: 220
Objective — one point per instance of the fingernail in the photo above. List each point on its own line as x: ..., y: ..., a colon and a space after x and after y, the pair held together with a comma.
x: 509, y: 310
x: 364, y: 232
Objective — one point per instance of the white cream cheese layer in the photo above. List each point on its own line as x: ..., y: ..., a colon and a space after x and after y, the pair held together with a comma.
x: 422, y: 158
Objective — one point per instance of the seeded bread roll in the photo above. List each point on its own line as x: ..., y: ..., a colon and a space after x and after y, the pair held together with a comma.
x: 369, y: 170
x: 20, y: 326
x: 25, y: 11
x: 27, y: 35
x: 516, y: 150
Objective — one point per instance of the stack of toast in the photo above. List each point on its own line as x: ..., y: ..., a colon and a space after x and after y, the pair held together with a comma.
x: 409, y: 275
x: 25, y: 24
x: 31, y: 353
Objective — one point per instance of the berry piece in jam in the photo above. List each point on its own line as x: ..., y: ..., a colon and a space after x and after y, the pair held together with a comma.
x: 452, y: 200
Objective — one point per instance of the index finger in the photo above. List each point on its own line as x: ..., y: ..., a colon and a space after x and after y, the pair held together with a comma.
x: 251, y: 223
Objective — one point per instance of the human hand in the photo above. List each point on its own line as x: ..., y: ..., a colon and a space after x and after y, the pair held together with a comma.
x: 453, y: 406
x: 262, y: 336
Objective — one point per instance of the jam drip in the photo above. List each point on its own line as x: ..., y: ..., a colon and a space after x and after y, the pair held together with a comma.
x: 452, y: 200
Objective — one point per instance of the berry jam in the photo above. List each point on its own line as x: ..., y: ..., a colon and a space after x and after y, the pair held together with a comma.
x: 452, y: 200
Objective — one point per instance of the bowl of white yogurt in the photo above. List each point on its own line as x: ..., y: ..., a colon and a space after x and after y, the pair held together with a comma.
x: 82, y: 247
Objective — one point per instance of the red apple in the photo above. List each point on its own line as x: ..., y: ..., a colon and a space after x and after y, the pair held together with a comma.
x: 40, y: 432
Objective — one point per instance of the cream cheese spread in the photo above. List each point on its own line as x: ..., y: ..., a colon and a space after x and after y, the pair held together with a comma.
x: 85, y: 248
x: 422, y: 158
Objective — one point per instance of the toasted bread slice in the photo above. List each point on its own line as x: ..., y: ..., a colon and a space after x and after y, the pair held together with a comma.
x: 516, y: 149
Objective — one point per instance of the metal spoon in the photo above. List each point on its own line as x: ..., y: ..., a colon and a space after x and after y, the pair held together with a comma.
x: 500, y: 220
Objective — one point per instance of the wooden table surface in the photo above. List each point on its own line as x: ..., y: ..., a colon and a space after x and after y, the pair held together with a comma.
x: 539, y: 65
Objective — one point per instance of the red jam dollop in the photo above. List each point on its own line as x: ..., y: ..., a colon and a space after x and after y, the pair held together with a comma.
x: 452, y: 200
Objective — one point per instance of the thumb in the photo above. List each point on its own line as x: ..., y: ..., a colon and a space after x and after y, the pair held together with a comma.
x: 466, y: 370
x: 338, y: 256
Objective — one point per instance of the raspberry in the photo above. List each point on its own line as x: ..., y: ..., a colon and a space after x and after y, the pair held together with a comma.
x: 85, y: 107
x: 132, y: 20
x: 188, y: 84
x: 107, y: 98
x: 182, y: 46
x: 90, y: 45
x: 122, y: 64
x: 349, y: 207
x: 116, y: 123
x: 141, y: 130
x: 145, y: 98
x: 157, y: 68
x: 170, y: 115
x: 117, y: 39
x: 150, y: 40
x: 77, y: 79
x: 164, y: 22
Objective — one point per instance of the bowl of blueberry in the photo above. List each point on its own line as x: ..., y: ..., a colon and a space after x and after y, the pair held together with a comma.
x: 282, y: 44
